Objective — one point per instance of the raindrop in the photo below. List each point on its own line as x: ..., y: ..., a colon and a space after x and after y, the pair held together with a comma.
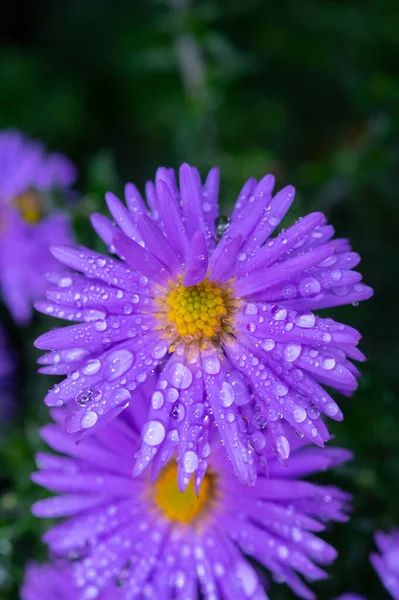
x: 278, y: 313
x: 190, y: 461
x: 180, y: 376
x: 157, y: 399
x: 227, y: 394
x: 89, y: 419
x: 84, y: 397
x: 222, y: 223
x: 153, y: 433
x: 211, y: 364
x: 291, y: 351
x: 91, y: 366
x: 305, y: 319
x: 117, y: 363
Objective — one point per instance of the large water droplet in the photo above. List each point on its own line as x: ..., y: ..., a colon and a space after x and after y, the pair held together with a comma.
x: 299, y: 414
x: 91, y: 366
x: 117, y: 363
x: 153, y: 433
x: 84, y: 397
x: 227, y: 394
x: 250, y: 309
x: 282, y: 446
x: 268, y: 344
x: 190, y: 461
x: 180, y: 376
x: 241, y: 392
x: 305, y: 319
x: 159, y: 350
x: 328, y: 363
x: 309, y: 287
x: 278, y: 313
x: 120, y: 397
x: 157, y: 399
x: 89, y: 419
x: 211, y: 364
x: 291, y: 351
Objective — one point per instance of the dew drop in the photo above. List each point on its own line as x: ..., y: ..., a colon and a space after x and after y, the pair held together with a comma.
x: 305, y: 319
x: 153, y: 433
x: 91, y: 366
x: 190, y: 461
x: 227, y: 394
x: 291, y: 351
x: 157, y: 399
x: 89, y: 419
x: 180, y: 376
x: 117, y: 363
x: 211, y: 364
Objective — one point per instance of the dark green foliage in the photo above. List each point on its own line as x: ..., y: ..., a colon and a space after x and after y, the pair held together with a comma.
x: 308, y: 90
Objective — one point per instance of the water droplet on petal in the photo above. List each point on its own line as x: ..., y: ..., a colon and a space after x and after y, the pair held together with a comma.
x: 299, y: 414
x: 278, y: 313
x: 250, y: 309
x: 91, y: 366
x: 305, y: 319
x: 309, y: 287
x: 153, y: 433
x: 268, y: 344
x: 227, y: 394
x: 190, y: 461
x: 120, y: 397
x: 157, y: 399
x: 211, y: 364
x: 180, y: 376
x: 282, y: 446
x: 328, y: 363
x: 159, y: 350
x: 89, y: 419
x: 291, y: 351
x: 117, y: 363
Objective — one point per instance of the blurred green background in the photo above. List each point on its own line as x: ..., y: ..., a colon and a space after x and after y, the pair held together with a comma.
x: 307, y: 90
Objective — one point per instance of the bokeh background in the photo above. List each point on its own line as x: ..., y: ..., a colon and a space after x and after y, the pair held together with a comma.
x: 304, y: 89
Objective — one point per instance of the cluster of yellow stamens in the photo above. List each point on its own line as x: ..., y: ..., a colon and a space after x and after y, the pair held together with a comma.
x: 184, y: 507
x: 29, y: 207
x: 198, y: 310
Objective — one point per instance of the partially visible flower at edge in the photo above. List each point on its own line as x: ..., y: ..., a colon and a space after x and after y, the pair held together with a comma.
x: 27, y: 224
x: 387, y: 562
x: 221, y: 311
x: 155, y: 542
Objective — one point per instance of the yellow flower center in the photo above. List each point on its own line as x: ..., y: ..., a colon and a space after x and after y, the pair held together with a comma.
x: 184, y: 507
x: 29, y: 207
x: 199, y: 310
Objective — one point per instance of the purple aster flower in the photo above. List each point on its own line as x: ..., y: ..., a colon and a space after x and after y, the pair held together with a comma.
x: 221, y: 313
x: 158, y: 542
x: 26, y: 177
x: 387, y: 562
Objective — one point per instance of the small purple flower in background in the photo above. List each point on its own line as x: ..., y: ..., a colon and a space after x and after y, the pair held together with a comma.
x: 7, y: 369
x: 27, y: 174
x: 387, y: 562
x: 154, y: 541
x: 219, y: 310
